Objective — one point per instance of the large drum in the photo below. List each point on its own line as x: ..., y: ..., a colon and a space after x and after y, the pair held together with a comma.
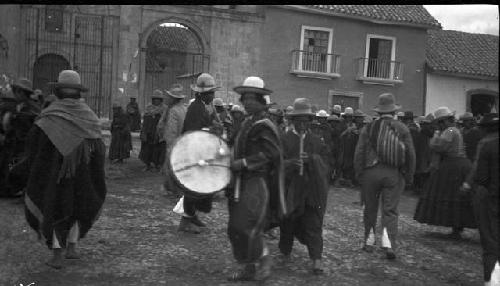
x: 199, y: 162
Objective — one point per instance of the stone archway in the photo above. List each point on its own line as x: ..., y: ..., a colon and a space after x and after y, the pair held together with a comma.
x: 174, y: 52
x: 46, y: 69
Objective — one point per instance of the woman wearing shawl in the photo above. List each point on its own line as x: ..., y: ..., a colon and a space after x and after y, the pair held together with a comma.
x: 152, y: 150
x: 121, y: 141
x: 66, y: 185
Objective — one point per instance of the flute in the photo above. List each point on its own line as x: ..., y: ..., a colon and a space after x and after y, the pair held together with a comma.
x: 300, y: 153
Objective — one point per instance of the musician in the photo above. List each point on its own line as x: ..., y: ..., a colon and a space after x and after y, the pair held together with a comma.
x: 238, y: 115
x: 256, y: 198
x: 222, y: 117
x: 306, y: 183
x: 198, y: 118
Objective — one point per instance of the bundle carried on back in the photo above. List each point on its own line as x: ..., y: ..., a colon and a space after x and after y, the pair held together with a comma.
x: 387, y: 143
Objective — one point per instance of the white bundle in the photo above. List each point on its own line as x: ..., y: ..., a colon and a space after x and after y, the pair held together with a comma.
x: 179, y: 207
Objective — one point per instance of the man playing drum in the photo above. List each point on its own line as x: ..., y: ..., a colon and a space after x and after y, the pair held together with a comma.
x: 258, y: 191
x: 198, y: 118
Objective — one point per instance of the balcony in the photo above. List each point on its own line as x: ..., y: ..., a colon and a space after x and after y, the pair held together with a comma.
x: 316, y: 65
x: 375, y: 71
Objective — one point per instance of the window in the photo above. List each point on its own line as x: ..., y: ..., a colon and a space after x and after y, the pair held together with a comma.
x: 54, y: 18
x: 315, y: 47
x: 380, y: 57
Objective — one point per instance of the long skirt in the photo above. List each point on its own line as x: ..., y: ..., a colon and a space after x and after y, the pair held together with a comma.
x: 152, y: 153
x: 441, y: 202
x: 121, y: 144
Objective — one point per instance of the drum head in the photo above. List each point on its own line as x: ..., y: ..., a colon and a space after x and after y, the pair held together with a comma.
x: 200, y: 161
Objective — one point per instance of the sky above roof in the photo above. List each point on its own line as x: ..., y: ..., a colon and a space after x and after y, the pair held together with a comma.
x: 467, y: 18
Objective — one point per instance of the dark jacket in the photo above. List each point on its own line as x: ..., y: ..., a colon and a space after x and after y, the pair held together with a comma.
x: 197, y: 116
x: 485, y: 170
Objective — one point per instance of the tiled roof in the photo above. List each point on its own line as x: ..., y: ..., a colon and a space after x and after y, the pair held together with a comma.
x: 409, y: 14
x: 460, y: 52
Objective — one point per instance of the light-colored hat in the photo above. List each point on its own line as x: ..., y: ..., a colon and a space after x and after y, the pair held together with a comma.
x: 489, y: 119
x: 367, y: 119
x: 348, y: 111
x: 322, y: 113
x: 301, y: 106
x: 400, y: 114
x: 69, y: 79
x: 237, y: 108
x: 466, y: 116
x: 157, y: 94
x: 333, y: 117
x: 337, y: 109
x: 218, y: 102
x: 443, y: 112
x: 253, y: 84
x: 204, y: 83
x: 420, y: 119
x: 37, y: 91
x: 288, y: 109
x: 175, y: 91
x: 24, y: 84
x: 428, y: 118
x: 191, y: 100
x: 386, y: 103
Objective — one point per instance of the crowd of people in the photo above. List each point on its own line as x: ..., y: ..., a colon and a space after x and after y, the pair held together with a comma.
x: 283, y: 165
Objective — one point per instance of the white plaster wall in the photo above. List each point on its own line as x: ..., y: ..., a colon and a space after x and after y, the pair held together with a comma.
x: 452, y: 91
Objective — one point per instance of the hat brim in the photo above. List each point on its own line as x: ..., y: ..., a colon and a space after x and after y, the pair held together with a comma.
x: 68, y: 85
x: 175, y: 95
x: 195, y: 88
x: 244, y: 89
x: 301, y: 113
x: 22, y: 87
x: 444, y: 116
x: 389, y: 108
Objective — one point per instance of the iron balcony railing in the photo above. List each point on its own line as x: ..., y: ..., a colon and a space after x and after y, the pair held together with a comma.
x: 303, y: 61
x: 379, y: 69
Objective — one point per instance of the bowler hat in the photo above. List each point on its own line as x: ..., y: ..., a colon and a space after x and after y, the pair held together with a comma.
x: 333, y: 117
x: 443, y: 112
x: 288, y: 109
x: 218, y: 102
x: 358, y: 113
x: 386, y: 103
x: 24, y: 84
x: 428, y: 118
x: 175, y: 91
x: 237, y: 108
x: 253, y: 84
x: 204, y: 83
x: 157, y: 94
x: 301, y: 106
x: 69, y: 79
x: 489, y: 119
x: 348, y: 111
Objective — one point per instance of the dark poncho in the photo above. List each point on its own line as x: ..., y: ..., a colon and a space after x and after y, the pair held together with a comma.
x: 66, y: 171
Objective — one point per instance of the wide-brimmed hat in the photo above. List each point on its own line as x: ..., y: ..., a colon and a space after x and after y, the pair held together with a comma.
x: 157, y: 94
x: 69, y: 79
x: 337, y: 109
x: 24, y: 84
x: 420, y: 119
x: 288, y: 109
x: 358, y: 113
x: 253, y: 84
x: 204, y: 83
x: 489, y: 119
x: 176, y: 91
x: 322, y: 113
x: 386, y: 103
x: 333, y: 117
x: 443, y: 112
x: 275, y: 111
x: 301, y: 106
x: 466, y: 116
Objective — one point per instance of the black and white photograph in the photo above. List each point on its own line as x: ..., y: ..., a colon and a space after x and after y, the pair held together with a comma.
x: 249, y: 145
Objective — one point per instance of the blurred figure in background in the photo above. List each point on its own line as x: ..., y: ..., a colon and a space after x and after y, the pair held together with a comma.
x: 152, y: 150
x: 121, y: 140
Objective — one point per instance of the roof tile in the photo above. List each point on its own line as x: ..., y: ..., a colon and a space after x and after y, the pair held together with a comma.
x: 413, y: 14
x: 460, y: 52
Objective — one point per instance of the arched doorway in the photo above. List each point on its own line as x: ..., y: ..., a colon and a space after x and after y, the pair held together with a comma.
x: 482, y: 101
x: 174, y: 53
x: 46, y: 69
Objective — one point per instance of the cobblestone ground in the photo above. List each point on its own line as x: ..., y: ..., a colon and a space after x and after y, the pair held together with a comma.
x: 135, y: 242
